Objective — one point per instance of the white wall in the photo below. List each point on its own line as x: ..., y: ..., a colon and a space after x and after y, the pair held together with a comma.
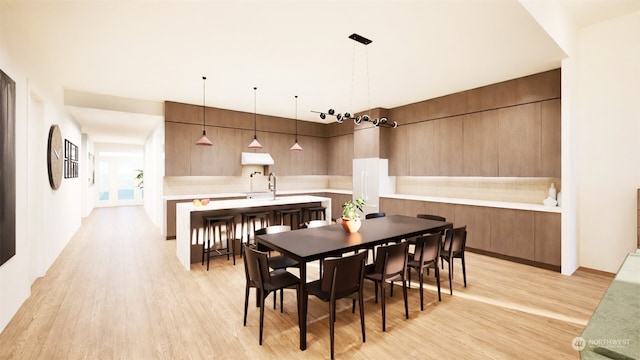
x: 608, y: 146
x: 38, y: 106
x: 153, y: 175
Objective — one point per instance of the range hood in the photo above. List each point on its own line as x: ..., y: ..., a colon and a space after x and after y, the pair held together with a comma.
x: 249, y: 158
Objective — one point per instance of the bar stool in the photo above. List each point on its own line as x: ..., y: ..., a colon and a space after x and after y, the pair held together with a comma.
x: 255, y: 220
x: 213, y: 225
x: 290, y: 213
x: 316, y: 213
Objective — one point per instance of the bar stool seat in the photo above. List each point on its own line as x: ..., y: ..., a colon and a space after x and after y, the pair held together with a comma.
x: 290, y: 214
x: 316, y: 213
x: 252, y: 221
x: 214, y: 225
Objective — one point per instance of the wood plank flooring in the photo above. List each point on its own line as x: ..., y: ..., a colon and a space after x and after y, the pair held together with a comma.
x: 117, y: 291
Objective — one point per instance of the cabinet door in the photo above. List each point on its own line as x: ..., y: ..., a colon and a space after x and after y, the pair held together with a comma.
x: 551, y: 138
x: 512, y: 233
x: 478, y: 222
x: 547, y: 238
x: 422, y: 159
x: 340, y: 155
x: 399, y: 152
x: 179, y: 140
x: 519, y: 133
x: 480, y: 149
x: 447, y: 141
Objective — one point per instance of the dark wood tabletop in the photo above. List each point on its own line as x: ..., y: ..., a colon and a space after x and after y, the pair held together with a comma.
x: 312, y: 244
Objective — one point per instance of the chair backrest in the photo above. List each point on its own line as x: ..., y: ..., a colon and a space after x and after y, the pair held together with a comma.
x: 456, y: 239
x: 392, y: 259
x: 375, y: 215
x: 274, y: 229
x: 431, y: 217
x: 343, y: 276
x: 427, y: 248
x: 317, y: 223
x: 256, y: 266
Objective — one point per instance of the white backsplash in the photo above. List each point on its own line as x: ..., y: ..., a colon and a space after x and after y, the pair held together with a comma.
x: 518, y: 190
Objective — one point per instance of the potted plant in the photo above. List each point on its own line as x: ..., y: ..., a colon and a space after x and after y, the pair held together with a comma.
x: 350, y: 215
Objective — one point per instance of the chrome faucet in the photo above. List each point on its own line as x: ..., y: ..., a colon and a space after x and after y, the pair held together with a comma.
x: 272, y: 187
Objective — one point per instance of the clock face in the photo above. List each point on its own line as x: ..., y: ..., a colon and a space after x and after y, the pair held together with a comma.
x: 55, y: 157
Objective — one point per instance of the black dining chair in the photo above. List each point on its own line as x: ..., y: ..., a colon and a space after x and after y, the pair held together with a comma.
x: 425, y: 256
x: 276, y: 262
x: 342, y: 277
x: 390, y: 265
x: 454, y: 247
x: 375, y: 215
x: 264, y: 281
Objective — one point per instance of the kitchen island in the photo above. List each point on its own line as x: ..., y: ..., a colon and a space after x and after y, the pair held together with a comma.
x: 188, y: 228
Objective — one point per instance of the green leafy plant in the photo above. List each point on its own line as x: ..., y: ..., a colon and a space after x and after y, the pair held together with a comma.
x: 140, y: 176
x: 351, y: 209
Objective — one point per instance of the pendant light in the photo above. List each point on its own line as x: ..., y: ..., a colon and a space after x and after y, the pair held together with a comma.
x: 296, y: 146
x: 204, y: 140
x: 254, y: 144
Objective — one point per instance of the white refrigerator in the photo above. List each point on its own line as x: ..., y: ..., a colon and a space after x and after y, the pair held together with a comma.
x: 370, y: 180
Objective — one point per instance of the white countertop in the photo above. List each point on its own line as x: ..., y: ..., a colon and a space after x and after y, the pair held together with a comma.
x: 249, y: 203
x: 244, y: 194
x: 473, y: 202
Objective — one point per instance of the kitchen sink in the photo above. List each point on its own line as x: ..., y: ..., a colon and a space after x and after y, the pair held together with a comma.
x: 260, y: 195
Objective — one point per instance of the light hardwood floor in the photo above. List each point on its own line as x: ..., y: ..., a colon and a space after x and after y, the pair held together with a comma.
x: 117, y: 291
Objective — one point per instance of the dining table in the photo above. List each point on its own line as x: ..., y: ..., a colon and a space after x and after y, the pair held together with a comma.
x: 310, y: 244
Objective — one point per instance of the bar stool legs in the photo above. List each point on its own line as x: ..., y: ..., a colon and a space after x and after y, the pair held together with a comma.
x: 251, y: 222
x: 213, y: 225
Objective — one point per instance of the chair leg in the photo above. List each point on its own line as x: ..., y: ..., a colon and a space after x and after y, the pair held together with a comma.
x: 382, y: 297
x: 421, y: 278
x: 437, y: 273
x: 281, y: 300
x: 406, y: 304
x: 391, y: 291
x: 332, y: 320
x: 361, y: 305
x: 246, y: 304
x: 450, y: 264
x: 261, y: 317
x: 464, y: 271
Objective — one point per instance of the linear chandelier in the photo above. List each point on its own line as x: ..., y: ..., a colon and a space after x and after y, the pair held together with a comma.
x: 377, y: 122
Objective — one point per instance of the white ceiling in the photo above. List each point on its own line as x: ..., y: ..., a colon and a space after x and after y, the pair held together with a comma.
x: 156, y: 51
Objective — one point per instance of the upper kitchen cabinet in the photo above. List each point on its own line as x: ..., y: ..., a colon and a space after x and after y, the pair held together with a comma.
x: 519, y: 135
x: 551, y: 138
x: 480, y: 144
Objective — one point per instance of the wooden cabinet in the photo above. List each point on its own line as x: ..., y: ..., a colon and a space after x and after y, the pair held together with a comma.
x: 519, y: 134
x: 423, y: 160
x: 512, y: 233
x: 480, y: 149
x: 551, y: 138
x: 547, y: 238
x: 340, y: 155
x: 400, y: 152
x: 447, y: 146
x: 179, y: 140
x: 477, y: 220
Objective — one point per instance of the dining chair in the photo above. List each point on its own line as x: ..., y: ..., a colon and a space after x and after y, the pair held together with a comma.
x: 390, y: 265
x: 431, y: 217
x: 343, y: 277
x: 278, y: 261
x: 455, y: 243
x: 317, y: 223
x: 375, y: 215
x: 264, y: 281
x: 425, y: 256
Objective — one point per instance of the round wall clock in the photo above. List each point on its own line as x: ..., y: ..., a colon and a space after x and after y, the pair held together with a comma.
x: 55, y: 157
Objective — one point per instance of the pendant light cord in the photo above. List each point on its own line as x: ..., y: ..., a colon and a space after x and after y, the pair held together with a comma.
x: 204, y: 109
x: 296, y: 118
x: 254, y: 111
